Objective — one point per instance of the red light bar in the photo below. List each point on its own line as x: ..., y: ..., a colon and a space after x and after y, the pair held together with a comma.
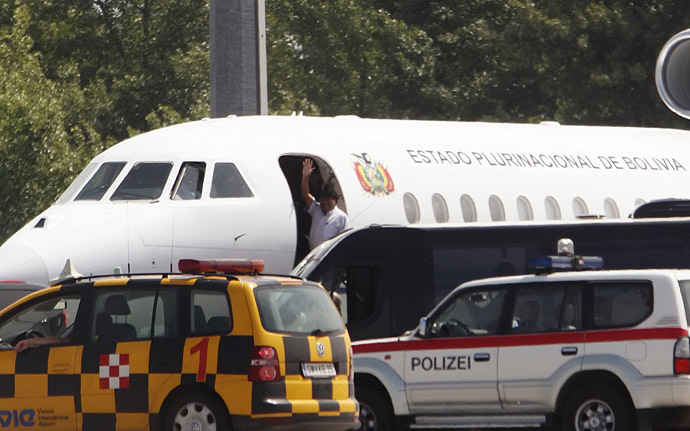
x: 229, y: 266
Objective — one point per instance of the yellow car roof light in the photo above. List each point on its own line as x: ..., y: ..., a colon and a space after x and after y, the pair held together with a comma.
x: 221, y: 266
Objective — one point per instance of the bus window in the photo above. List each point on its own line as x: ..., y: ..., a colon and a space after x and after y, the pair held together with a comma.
x: 357, y: 286
x: 455, y: 265
x: 144, y: 182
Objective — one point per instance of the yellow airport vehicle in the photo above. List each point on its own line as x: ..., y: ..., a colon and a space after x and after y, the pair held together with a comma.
x: 177, y: 352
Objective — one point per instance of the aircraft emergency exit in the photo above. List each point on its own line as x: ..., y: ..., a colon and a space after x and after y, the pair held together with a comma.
x: 227, y: 188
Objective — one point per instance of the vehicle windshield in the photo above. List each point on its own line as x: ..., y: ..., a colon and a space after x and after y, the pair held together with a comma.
x: 47, y: 318
x: 301, y: 310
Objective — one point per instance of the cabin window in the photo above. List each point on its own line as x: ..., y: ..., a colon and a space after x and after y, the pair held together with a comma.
x: 77, y: 184
x: 553, y: 210
x: 189, y: 181
x: 469, y: 209
x: 611, y: 209
x: 144, y: 182
x: 639, y: 202
x: 579, y: 207
x: 496, y: 209
x: 228, y: 183
x: 100, y: 182
x: 438, y: 203
x: 524, y: 208
x: 411, y: 208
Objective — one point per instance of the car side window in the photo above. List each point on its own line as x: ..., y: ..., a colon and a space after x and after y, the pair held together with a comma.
x: 210, y: 312
x: 121, y: 315
x: 475, y: 312
x: 620, y: 304
x: 541, y: 308
x: 49, y: 317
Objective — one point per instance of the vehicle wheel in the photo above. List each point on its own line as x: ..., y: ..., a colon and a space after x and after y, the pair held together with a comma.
x: 196, y: 411
x: 375, y: 412
x: 598, y: 408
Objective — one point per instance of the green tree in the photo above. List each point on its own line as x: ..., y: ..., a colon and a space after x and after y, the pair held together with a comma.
x: 578, y: 62
x: 41, y: 146
x: 136, y: 59
x: 343, y: 57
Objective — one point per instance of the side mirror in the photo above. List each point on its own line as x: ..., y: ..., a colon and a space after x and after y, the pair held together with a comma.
x: 422, y: 327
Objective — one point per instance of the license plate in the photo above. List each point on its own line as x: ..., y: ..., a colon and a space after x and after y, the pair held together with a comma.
x: 318, y: 369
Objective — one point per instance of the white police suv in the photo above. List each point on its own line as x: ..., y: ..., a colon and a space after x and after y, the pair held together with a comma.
x: 580, y: 350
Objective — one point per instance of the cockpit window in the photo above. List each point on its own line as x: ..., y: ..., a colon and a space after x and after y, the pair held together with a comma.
x: 144, y: 182
x: 100, y: 182
x: 190, y: 180
x: 228, y: 183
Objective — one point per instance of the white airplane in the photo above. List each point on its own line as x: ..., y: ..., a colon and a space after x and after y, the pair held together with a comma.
x: 229, y: 187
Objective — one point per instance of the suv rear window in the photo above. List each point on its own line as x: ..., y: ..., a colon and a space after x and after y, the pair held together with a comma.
x: 685, y: 293
x: 301, y: 310
x: 623, y: 304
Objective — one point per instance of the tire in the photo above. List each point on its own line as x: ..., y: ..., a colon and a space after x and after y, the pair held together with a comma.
x: 197, y: 411
x: 597, y: 408
x: 375, y: 411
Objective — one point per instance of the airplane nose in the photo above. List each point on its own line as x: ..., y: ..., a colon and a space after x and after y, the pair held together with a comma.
x: 21, y: 263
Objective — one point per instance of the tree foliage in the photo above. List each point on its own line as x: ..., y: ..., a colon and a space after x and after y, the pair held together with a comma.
x: 42, y: 143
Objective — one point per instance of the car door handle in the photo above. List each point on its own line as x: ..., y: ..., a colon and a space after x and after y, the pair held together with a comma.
x: 60, y: 368
x: 569, y: 351
x: 481, y: 357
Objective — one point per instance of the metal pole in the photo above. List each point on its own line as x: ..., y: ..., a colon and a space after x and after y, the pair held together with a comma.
x: 238, y: 58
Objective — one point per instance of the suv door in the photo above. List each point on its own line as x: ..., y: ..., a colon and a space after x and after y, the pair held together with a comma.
x: 456, y: 371
x: 133, y: 347
x: 545, y: 344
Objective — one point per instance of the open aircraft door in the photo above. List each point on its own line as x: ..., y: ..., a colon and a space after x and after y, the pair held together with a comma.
x: 323, y: 174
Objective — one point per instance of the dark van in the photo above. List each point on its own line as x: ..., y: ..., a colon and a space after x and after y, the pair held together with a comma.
x: 387, y: 277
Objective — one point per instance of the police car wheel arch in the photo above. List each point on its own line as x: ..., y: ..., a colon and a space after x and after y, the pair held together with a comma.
x: 197, y: 411
x: 375, y: 411
x: 596, y: 408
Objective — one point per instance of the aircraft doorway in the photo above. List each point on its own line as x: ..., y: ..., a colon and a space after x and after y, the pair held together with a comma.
x: 291, y: 166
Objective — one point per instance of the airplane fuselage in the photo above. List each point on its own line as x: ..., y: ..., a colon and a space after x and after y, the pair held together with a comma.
x: 129, y: 210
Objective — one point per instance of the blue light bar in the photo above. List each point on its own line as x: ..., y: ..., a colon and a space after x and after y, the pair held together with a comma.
x: 550, y: 263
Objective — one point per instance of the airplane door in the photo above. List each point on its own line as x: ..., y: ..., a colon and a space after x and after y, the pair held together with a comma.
x: 149, y: 218
x: 234, y: 221
x: 150, y: 231
x: 291, y: 166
